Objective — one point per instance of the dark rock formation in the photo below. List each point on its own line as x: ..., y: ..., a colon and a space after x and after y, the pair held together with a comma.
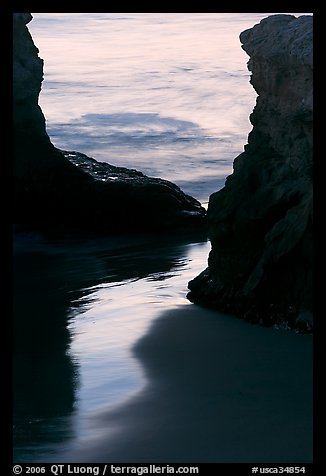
x: 260, y: 223
x: 53, y: 188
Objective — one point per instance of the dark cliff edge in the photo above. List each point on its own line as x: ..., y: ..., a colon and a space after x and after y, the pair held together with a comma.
x: 260, y: 224
x: 68, y: 190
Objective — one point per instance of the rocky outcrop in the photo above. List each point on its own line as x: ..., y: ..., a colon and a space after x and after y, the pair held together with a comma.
x: 260, y: 223
x: 53, y: 188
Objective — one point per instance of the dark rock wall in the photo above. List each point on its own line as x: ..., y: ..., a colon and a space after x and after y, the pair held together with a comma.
x: 53, y: 188
x: 38, y: 166
x: 260, y: 223
x: 27, y: 78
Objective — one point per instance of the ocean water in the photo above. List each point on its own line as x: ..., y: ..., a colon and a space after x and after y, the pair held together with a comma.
x: 167, y: 94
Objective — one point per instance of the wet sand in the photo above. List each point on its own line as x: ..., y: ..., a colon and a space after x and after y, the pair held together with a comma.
x: 219, y: 390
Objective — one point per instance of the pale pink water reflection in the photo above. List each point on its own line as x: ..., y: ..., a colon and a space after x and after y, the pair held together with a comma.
x: 166, y: 93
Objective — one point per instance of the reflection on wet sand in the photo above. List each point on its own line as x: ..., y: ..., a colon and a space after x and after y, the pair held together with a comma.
x: 44, y: 375
x: 53, y: 281
x: 219, y: 390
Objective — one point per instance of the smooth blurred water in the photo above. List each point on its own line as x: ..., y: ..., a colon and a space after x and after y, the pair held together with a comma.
x: 80, y: 306
x: 167, y: 94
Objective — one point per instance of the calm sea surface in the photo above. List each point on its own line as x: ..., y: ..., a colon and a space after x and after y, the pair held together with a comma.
x: 167, y: 94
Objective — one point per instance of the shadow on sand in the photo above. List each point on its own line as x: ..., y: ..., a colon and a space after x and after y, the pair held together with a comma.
x: 219, y: 390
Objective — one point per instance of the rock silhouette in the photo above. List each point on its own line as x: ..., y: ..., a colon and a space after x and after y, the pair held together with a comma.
x: 68, y: 190
x: 260, y: 223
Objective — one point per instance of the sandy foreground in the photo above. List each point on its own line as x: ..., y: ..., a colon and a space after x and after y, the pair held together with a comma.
x: 219, y: 390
